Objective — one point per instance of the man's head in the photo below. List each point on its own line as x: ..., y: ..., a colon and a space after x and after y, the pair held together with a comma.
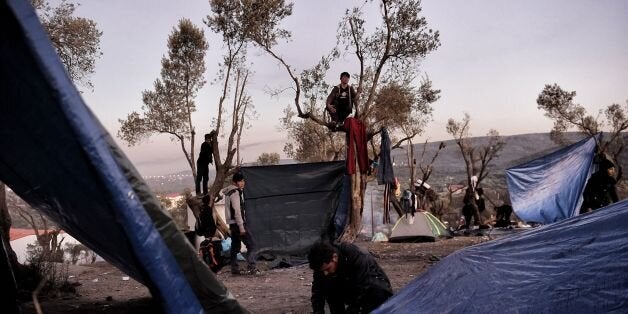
x: 238, y: 180
x: 608, y: 166
x: 344, y: 77
x: 323, y: 257
x: 208, y: 137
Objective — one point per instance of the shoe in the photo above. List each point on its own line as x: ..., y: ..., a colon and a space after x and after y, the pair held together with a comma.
x: 237, y: 272
x: 254, y: 272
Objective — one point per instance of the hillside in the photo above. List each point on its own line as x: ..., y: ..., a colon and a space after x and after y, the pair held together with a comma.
x: 450, y: 168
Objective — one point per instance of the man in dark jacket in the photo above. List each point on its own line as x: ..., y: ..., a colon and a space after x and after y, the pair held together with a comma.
x: 600, y: 189
x: 342, y: 99
x: 347, y: 278
x: 202, y: 163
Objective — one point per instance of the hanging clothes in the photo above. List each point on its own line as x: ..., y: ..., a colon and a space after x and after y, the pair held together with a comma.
x: 356, y: 146
x: 385, y: 173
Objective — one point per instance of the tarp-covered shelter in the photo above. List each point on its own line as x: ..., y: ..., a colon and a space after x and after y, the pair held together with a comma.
x: 290, y: 207
x: 577, y: 265
x: 422, y: 227
x: 549, y: 188
x: 57, y: 157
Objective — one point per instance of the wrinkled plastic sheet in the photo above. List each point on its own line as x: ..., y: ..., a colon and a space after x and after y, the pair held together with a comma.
x: 289, y: 207
x: 549, y: 189
x: 57, y: 157
x: 577, y: 265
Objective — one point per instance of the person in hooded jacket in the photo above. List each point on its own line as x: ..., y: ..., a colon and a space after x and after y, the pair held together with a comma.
x: 600, y: 190
x: 347, y: 278
x: 235, y: 214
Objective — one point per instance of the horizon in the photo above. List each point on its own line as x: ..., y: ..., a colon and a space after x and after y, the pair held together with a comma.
x: 494, y: 60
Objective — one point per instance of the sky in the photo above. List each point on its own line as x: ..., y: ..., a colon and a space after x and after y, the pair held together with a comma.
x: 494, y: 60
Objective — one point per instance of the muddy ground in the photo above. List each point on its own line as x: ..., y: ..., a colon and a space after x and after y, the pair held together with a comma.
x: 102, y: 288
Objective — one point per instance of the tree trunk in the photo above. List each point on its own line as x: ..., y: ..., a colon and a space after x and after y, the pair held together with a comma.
x: 5, y: 227
x: 354, y: 217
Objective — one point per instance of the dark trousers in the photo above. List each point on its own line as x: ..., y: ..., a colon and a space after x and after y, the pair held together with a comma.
x: 236, y: 246
x: 336, y: 300
x: 202, y: 173
x: 339, y: 116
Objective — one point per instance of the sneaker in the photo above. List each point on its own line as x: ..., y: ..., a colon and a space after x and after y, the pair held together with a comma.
x: 237, y: 272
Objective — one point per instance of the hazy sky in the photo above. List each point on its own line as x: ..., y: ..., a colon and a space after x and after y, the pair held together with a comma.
x: 494, y: 60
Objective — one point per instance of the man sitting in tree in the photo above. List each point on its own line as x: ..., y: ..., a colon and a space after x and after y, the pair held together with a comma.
x: 342, y: 99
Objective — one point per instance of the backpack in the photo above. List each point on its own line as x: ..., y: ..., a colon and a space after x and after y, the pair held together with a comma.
x: 205, y: 224
x: 211, y: 253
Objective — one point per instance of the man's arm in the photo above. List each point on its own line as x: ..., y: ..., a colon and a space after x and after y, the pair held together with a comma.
x: 330, y: 100
x: 318, y: 294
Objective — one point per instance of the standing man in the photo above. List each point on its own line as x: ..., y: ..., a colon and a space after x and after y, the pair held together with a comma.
x: 235, y: 215
x: 342, y: 99
x: 203, y: 161
x: 600, y: 190
x: 347, y: 278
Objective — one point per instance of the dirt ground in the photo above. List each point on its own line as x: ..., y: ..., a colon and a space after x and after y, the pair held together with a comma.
x: 102, y: 288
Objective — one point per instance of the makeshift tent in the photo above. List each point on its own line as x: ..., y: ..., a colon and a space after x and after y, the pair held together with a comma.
x: 289, y: 207
x: 577, y: 265
x: 549, y: 189
x: 57, y: 157
x: 422, y: 227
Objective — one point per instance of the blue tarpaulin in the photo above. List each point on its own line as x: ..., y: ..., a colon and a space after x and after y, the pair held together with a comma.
x: 577, y: 265
x: 549, y: 189
x: 57, y: 156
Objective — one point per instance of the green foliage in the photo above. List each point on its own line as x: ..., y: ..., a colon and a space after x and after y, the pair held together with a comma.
x: 76, y: 39
x: 268, y: 159
x: 169, y: 106
x: 559, y: 106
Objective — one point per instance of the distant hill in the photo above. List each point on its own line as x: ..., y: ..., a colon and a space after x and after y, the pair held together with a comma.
x: 178, y: 181
x: 448, y: 168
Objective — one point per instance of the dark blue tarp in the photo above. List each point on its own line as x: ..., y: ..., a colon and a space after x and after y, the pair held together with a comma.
x: 57, y: 157
x: 578, y: 265
x: 549, y: 189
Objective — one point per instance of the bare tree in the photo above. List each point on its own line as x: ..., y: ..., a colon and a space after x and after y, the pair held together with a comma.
x: 559, y: 106
x: 476, y: 157
x: 169, y: 106
x: 226, y: 20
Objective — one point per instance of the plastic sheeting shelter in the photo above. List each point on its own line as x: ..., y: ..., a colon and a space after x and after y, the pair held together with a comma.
x: 289, y: 207
x: 577, y: 265
x: 57, y: 156
x: 425, y: 227
x: 549, y: 189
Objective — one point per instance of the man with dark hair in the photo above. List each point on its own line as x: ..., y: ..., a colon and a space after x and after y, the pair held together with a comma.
x: 342, y: 99
x: 202, y: 163
x: 347, y: 278
x: 235, y: 215
x: 600, y: 190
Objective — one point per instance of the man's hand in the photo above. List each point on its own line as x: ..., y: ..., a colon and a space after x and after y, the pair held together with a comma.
x: 331, y: 109
x: 359, y: 89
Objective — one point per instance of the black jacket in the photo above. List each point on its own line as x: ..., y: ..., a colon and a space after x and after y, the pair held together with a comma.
x: 357, y: 273
x: 205, y: 156
x: 600, y: 191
